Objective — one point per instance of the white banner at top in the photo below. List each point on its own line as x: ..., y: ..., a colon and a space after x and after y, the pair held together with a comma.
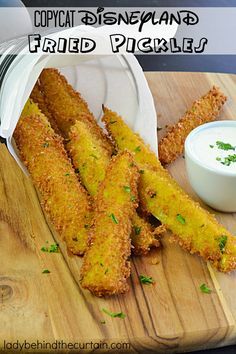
x: 106, y: 31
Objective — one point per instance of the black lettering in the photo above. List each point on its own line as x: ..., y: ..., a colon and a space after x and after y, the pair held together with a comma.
x: 49, y: 45
x: 130, y: 48
x: 173, y: 46
x: 187, y: 45
x: 160, y: 45
x: 189, y: 17
x: 117, y: 40
x: 202, y: 43
x: 34, y: 42
x: 144, y: 45
x: 145, y: 17
x: 164, y: 18
x: 61, y: 45
x: 36, y: 22
x: 73, y: 45
x: 87, y: 45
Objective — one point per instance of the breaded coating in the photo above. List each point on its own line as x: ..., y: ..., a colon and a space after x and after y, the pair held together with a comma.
x: 91, y: 158
x: 89, y: 148
x: 89, y: 154
x: 204, y: 110
x: 38, y: 97
x: 106, y: 266
x: 63, y: 101
x: 144, y: 236
x: 195, y: 229
x: 66, y: 105
x: 63, y: 197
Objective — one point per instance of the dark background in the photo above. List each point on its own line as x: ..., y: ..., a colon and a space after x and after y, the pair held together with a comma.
x: 208, y: 63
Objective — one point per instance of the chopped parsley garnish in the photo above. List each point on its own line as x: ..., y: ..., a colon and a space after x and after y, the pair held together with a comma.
x: 218, y: 159
x: 224, y: 146
x: 46, y: 271
x: 127, y: 189
x: 137, y: 230
x: 113, y: 218
x: 76, y: 170
x: 145, y: 279
x: 222, y: 242
x: 205, y: 289
x: 114, y: 314
x: 228, y: 160
x: 54, y: 248
x: 67, y: 174
x: 137, y: 149
x: 211, y: 146
x: 153, y: 195
x: 86, y: 226
x: 44, y: 249
x: 112, y: 121
x: 106, y: 271
x: 141, y: 171
x: 101, y: 264
x: 181, y: 219
x: 94, y: 156
x: 132, y: 198
x: 103, y: 322
x: 46, y: 145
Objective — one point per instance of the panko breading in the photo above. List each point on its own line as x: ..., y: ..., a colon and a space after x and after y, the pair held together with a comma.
x: 89, y: 154
x: 89, y: 148
x: 63, y: 197
x: 194, y: 228
x: 91, y: 157
x: 66, y: 105
x: 106, y: 266
x: 38, y: 97
x: 144, y: 236
x: 204, y: 110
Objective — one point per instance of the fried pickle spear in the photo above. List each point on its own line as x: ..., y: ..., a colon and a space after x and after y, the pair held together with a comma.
x: 63, y: 197
x: 204, y: 110
x: 89, y: 148
x: 91, y: 157
x: 38, y: 97
x: 66, y: 105
x: 89, y: 154
x: 195, y: 229
x: 105, y: 266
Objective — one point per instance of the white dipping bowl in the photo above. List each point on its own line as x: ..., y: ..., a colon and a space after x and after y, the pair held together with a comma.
x: 213, y: 182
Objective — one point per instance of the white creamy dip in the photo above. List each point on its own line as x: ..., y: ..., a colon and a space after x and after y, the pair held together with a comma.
x: 208, y: 147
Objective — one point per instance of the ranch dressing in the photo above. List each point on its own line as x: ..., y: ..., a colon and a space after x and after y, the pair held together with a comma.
x: 215, y: 147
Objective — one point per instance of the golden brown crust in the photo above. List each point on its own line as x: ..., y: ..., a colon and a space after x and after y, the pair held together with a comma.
x: 90, y: 156
x: 197, y: 230
x: 204, y: 110
x: 67, y: 106
x: 63, y: 197
x: 224, y: 263
x: 106, y: 266
x: 144, y: 236
x: 38, y: 97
